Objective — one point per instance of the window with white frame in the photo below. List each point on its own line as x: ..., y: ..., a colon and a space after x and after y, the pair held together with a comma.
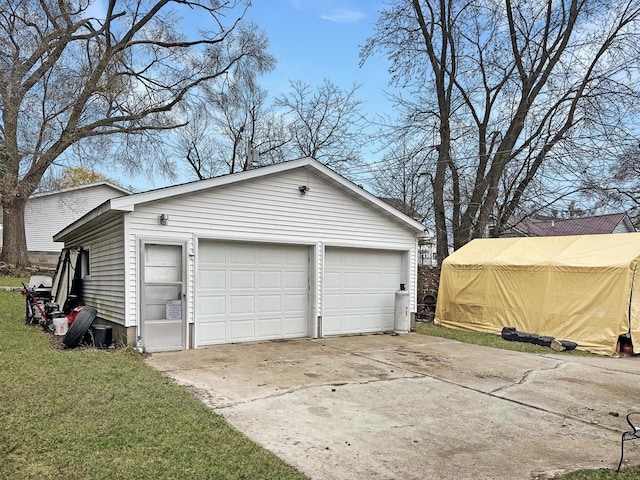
x: 85, y: 263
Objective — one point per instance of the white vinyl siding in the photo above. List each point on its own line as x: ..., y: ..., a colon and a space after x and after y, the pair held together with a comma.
x: 623, y: 227
x: 104, y: 288
x: 273, y: 209
x: 47, y: 214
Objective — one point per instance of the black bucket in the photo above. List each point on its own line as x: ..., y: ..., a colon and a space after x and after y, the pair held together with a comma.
x: 102, y: 336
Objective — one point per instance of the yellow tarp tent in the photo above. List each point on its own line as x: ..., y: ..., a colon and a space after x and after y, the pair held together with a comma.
x: 580, y: 288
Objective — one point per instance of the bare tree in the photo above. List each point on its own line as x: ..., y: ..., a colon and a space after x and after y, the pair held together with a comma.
x: 193, y: 143
x: 322, y: 122
x: 71, y: 79
x: 400, y: 176
x: 233, y: 129
x: 513, y: 90
x: 620, y: 189
x: 247, y: 130
x: 326, y: 123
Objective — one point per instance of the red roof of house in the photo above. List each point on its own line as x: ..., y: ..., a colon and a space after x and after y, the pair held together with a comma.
x: 570, y: 226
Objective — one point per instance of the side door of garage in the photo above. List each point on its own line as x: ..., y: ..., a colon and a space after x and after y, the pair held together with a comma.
x: 163, y: 319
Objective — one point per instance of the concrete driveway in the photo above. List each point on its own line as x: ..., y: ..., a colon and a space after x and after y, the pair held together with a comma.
x: 416, y: 407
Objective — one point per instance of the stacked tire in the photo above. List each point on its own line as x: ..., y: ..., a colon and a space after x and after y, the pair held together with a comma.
x: 79, y: 327
x: 513, y: 335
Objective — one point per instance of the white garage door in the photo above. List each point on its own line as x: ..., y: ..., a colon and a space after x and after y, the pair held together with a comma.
x: 359, y: 290
x: 251, y: 291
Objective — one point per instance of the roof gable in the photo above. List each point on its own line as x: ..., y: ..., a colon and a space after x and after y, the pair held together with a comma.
x: 121, y: 190
x: 129, y: 203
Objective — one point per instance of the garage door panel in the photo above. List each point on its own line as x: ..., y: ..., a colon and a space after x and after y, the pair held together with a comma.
x: 269, y: 255
x: 212, y: 305
x: 332, y: 323
x: 375, y: 319
x: 212, y: 256
x: 374, y: 300
x: 240, y: 279
x: 390, y: 260
x: 293, y: 279
x: 292, y: 329
x: 215, y: 331
x: 351, y: 301
x: 332, y: 279
x: 240, y: 254
x: 270, y: 279
x: 264, y: 289
x: 352, y: 323
x: 352, y: 280
x: 298, y: 257
x: 269, y: 303
x: 373, y: 280
x: 360, y: 288
x: 296, y: 304
x: 391, y: 281
x: 241, y: 304
x: 352, y: 260
x: 242, y: 329
x: 270, y: 327
x: 208, y: 279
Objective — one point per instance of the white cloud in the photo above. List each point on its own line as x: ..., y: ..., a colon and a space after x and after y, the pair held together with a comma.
x: 343, y: 15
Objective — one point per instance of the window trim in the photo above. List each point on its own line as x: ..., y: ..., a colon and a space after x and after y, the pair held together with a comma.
x: 85, y: 263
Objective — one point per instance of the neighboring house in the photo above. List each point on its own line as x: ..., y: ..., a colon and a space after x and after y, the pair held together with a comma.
x: 284, y: 251
x: 553, y: 227
x: 427, y: 251
x: 47, y: 213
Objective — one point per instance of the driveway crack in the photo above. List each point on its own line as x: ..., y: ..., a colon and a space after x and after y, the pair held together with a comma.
x: 525, y: 377
x: 289, y: 391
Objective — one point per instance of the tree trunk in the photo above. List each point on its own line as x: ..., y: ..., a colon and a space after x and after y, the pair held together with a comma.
x: 439, y: 211
x: 14, y: 243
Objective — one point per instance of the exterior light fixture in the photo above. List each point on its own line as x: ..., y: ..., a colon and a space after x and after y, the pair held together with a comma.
x: 303, y: 189
x: 164, y: 219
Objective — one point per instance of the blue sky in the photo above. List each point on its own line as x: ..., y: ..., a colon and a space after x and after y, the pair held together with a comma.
x: 313, y: 40
x: 316, y: 39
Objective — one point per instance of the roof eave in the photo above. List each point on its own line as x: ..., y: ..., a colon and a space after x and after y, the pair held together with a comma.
x: 92, y: 215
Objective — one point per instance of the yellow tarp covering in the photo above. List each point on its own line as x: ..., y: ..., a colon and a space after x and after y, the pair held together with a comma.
x: 580, y: 288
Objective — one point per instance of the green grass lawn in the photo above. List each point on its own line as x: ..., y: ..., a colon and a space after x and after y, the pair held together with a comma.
x: 12, y: 281
x: 487, y: 340
x: 91, y: 414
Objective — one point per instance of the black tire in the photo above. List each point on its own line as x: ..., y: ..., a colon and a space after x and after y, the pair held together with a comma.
x: 568, y: 345
x: 79, y: 327
x: 545, y: 341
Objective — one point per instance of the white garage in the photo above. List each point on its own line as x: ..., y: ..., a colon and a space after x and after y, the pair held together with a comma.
x: 285, y: 251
